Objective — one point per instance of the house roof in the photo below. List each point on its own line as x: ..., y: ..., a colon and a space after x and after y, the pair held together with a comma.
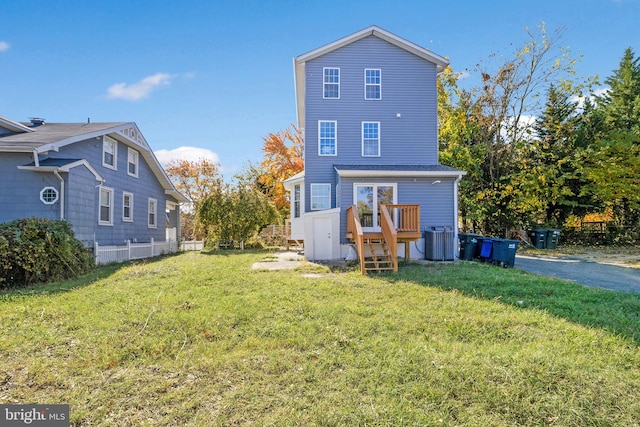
x: 300, y: 61
x: 396, y: 171
x: 46, y: 137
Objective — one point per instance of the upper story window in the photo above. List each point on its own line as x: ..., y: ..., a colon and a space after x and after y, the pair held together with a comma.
x: 372, y: 83
x: 109, y: 152
x: 320, y: 196
x: 106, y: 206
x: 296, y: 201
x: 153, y: 208
x: 127, y: 207
x: 331, y: 83
x: 49, y: 195
x: 327, y: 141
x: 371, y: 139
x: 132, y: 162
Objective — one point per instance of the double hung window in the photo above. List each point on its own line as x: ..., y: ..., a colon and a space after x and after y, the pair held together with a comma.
x: 372, y: 84
x: 331, y: 83
x: 371, y: 139
x: 327, y: 138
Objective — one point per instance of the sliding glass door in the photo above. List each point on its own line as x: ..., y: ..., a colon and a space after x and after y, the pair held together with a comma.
x: 368, y: 198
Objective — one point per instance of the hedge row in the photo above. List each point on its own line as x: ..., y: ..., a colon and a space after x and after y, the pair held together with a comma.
x: 36, y: 250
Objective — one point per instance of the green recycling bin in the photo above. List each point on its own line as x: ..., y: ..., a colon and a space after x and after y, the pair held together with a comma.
x: 539, y: 238
x: 504, y: 252
x: 552, y: 239
x: 468, y: 244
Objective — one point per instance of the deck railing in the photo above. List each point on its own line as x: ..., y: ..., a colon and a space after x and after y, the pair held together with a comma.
x: 407, y: 217
x: 390, y: 235
x: 354, y: 229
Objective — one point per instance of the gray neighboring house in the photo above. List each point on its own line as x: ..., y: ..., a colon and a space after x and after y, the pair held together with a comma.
x: 102, y: 178
x: 367, y: 104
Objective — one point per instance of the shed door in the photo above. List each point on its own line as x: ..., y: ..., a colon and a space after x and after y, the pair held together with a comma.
x: 322, y: 238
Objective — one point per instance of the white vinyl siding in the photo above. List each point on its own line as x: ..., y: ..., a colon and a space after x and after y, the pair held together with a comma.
x: 331, y: 83
x: 105, y: 214
x: 320, y: 197
x: 327, y: 138
x: 372, y: 84
x: 370, y: 139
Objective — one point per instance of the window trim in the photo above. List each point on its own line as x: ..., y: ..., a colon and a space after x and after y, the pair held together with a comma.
x: 328, y: 197
x: 370, y: 139
x: 155, y: 213
x: 335, y: 137
x: 107, y: 139
x: 366, y: 84
x: 325, y: 83
x: 136, y: 155
x: 126, y: 218
x: 49, y: 188
x: 100, y: 205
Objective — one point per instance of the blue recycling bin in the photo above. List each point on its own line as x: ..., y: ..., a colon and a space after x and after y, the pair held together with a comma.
x: 486, y: 249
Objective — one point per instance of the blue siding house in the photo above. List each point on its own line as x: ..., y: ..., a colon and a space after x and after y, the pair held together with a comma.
x: 102, y: 178
x: 368, y: 106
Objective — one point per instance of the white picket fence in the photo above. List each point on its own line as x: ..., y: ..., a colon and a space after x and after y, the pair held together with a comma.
x: 107, y: 254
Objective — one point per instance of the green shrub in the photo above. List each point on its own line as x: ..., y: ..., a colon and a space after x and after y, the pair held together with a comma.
x: 35, y: 250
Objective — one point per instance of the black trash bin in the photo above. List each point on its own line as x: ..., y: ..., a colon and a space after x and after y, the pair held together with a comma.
x: 504, y: 252
x: 468, y: 245
x: 552, y: 239
x: 539, y: 238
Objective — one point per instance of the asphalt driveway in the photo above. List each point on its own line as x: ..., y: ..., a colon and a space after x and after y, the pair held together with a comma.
x: 588, y: 273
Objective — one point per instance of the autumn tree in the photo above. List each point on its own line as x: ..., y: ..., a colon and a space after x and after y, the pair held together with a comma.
x: 196, y: 180
x: 283, y: 158
x: 235, y: 212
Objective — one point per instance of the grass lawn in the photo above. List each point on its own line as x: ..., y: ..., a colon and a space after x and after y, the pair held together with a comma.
x: 200, y: 339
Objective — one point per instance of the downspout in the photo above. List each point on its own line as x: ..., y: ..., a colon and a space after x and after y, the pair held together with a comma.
x: 61, y: 193
x: 455, y: 209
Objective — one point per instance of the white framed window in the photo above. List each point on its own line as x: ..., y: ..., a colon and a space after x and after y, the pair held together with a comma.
x: 372, y: 83
x: 327, y: 138
x: 369, y: 197
x: 109, y: 152
x: 105, y: 214
x: 371, y: 139
x: 132, y: 162
x: 127, y: 206
x: 331, y: 83
x: 48, y: 195
x: 296, y: 201
x: 153, y: 213
x: 320, y: 197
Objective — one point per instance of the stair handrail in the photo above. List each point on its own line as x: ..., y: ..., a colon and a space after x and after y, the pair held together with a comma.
x: 355, y: 228
x: 390, y: 234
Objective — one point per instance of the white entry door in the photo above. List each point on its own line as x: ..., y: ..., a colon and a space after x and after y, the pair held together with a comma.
x: 322, y: 238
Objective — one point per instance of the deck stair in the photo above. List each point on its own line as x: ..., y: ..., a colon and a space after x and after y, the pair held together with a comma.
x: 377, y: 256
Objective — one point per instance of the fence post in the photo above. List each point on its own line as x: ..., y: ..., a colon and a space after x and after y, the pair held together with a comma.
x: 153, y: 251
x: 95, y: 252
x: 128, y: 250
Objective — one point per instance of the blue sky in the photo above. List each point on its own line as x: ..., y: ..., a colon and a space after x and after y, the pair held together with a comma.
x: 217, y: 76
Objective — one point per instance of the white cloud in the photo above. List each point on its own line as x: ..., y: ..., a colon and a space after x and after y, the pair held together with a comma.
x: 192, y: 154
x: 139, y: 90
x: 596, y: 93
x: 4, y: 46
